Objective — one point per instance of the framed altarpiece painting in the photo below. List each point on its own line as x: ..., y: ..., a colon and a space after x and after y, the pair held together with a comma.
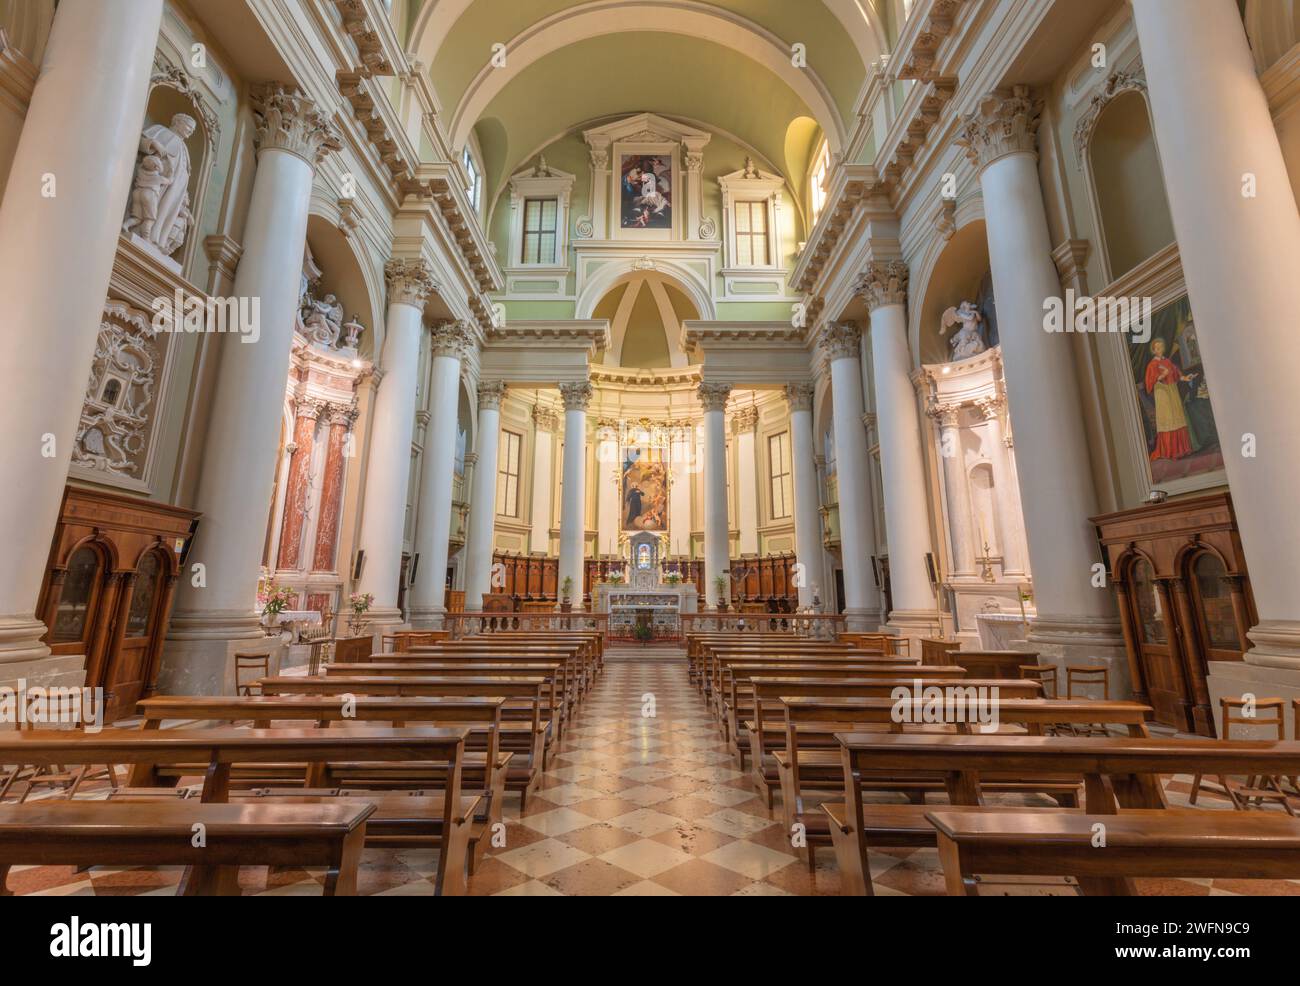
x: 645, y: 197
x: 1160, y: 393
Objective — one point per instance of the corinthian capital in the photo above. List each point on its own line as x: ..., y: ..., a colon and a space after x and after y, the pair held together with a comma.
x: 577, y: 395
x: 883, y: 283
x: 839, y: 340
x: 289, y: 121
x: 799, y: 396
x: 490, y: 393
x: 713, y: 396
x: 1005, y: 122
x: 410, y: 282
x: 450, y: 339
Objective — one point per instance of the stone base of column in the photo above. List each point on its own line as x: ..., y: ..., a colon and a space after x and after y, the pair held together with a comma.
x: 20, y: 639
x: 1277, y: 645
x: 1233, y: 679
x: 1074, y: 641
x: 427, y: 617
x: 861, y: 620
x: 913, y: 624
x: 199, y: 653
x: 379, y: 621
x: 66, y: 671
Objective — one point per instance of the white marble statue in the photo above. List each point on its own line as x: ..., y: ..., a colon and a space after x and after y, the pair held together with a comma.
x: 969, y: 340
x: 352, y: 330
x: 159, y: 209
x: 322, y: 320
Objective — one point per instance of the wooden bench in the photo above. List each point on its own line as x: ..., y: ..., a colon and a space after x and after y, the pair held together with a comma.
x: 219, y: 750
x: 1118, y: 773
x: 98, y: 833
x: 579, y: 669
x: 1143, y: 843
x: 526, y: 735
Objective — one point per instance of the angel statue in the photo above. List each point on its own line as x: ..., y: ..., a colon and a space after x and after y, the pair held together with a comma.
x: 323, y: 320
x: 967, y: 341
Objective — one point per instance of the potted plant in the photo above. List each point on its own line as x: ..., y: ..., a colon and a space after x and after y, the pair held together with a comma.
x: 722, y: 585
x: 614, y: 578
x: 275, y: 600
x: 566, y: 595
x: 643, y: 632
x: 360, y: 603
x: 673, y: 578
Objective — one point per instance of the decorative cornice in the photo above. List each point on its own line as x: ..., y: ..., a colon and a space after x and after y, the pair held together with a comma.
x: 490, y: 394
x: 851, y: 185
x: 410, y: 281
x: 713, y: 396
x: 451, y: 339
x: 354, y: 86
x: 289, y: 121
x: 1005, y: 122
x: 919, y: 57
x: 883, y: 283
x: 576, y: 396
x: 799, y: 396
x: 839, y: 340
x: 370, y: 46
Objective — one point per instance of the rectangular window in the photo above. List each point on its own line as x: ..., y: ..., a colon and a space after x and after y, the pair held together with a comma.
x: 508, y: 474
x: 475, y: 181
x: 539, y: 230
x: 778, y: 450
x: 819, y: 182
x: 751, y: 234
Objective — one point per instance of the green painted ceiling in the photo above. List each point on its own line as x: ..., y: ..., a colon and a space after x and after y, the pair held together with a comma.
x: 721, y: 89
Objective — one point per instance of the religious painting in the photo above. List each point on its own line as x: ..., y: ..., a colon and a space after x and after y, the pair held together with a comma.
x: 645, y: 490
x: 646, y: 191
x: 1182, y: 441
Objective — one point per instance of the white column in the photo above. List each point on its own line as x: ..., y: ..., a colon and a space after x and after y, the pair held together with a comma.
x: 902, y: 467
x: 388, y: 465
x: 857, y: 516
x: 572, y: 506
x: 717, y: 533
x: 745, y: 422
x: 807, y: 519
x: 546, y: 424
x: 483, y: 498
x: 956, y: 491
x: 1075, y: 618
x: 1240, y: 255
x: 59, y: 225
x: 693, y: 159
x: 609, y: 498
x: 679, y: 493
x: 433, y: 519
x: 599, y: 154
x: 1006, y: 500
x: 240, y: 448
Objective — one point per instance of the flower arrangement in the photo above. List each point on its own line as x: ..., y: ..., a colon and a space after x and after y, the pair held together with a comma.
x: 275, y: 599
x: 614, y: 578
x: 673, y: 578
x: 360, y: 603
x: 722, y: 584
x: 566, y: 587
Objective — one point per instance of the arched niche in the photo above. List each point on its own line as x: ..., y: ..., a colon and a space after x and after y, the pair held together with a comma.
x: 345, y: 276
x: 645, y: 310
x: 1127, y: 185
x: 960, y: 273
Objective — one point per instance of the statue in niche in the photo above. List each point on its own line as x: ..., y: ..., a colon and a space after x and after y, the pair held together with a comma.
x: 322, y: 320
x: 968, y: 340
x: 159, y: 210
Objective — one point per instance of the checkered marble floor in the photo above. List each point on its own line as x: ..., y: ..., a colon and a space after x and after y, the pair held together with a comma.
x: 642, y: 798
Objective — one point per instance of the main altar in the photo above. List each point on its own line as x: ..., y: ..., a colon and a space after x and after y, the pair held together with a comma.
x: 646, y: 604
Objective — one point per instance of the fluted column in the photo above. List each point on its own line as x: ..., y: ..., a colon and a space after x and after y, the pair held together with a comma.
x: 292, y: 135
x: 609, y: 499
x: 745, y: 424
x: 410, y: 282
x: 428, y: 596
x: 483, y: 498
x: 1075, y: 618
x: 807, y: 519
x: 59, y: 224
x: 902, y: 466
x: 546, y: 424
x: 839, y: 341
x: 573, y: 504
x: 298, y: 486
x: 956, y: 491
x: 717, y: 532
x: 1239, y: 240
x: 1006, y: 500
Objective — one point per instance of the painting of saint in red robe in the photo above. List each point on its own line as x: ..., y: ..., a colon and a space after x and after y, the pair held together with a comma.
x: 1177, y: 420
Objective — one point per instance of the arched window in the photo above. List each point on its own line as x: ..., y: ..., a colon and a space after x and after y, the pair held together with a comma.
x: 77, y: 597
x: 1214, y: 603
x: 145, y: 592
x: 1151, y: 617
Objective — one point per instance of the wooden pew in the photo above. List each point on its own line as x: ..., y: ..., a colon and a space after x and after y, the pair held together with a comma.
x: 1118, y: 773
x: 525, y: 736
x: 993, y: 663
x: 579, y: 665
x: 220, y: 749
x: 1142, y: 843
x: 484, y: 772
x: 701, y: 645
x: 772, y: 690
x: 98, y: 833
